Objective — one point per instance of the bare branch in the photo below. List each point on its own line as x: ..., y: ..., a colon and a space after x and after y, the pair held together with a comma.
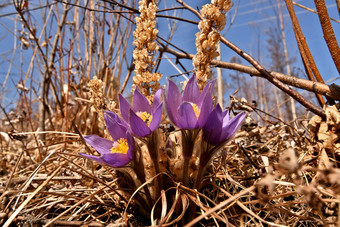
x: 266, y: 74
x: 308, y: 85
x: 305, y: 53
x: 328, y: 32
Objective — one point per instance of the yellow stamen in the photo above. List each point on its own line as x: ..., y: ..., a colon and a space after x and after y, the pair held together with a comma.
x: 196, y: 109
x: 147, y: 118
x: 121, y: 146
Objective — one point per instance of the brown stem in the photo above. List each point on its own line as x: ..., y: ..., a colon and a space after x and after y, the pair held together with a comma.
x: 320, y: 88
x: 266, y: 74
x: 298, y: 97
x: 328, y: 32
x: 307, y: 58
x: 186, y: 171
x: 313, y: 11
x: 199, y: 176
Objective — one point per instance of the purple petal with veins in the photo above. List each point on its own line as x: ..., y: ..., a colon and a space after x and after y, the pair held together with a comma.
x: 156, y: 118
x: 124, y: 108
x: 156, y: 100
x: 140, y: 102
x: 172, y: 102
x: 191, y: 91
x: 102, y: 145
x: 138, y: 126
x: 186, y: 116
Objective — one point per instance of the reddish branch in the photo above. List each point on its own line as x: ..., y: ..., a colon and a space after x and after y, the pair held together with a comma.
x: 307, y: 58
x: 331, y: 92
x: 328, y: 32
x: 266, y: 74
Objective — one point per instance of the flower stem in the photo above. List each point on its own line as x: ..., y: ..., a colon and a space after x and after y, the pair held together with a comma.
x: 199, y: 176
x: 186, y: 171
x: 153, y: 147
x: 188, y: 141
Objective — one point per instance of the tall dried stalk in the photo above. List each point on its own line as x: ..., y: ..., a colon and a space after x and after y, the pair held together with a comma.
x: 285, y: 51
x: 328, y: 32
x: 307, y: 58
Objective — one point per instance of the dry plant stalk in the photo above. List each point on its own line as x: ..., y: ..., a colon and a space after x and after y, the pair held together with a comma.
x: 97, y: 96
x: 208, y: 38
x: 146, y: 47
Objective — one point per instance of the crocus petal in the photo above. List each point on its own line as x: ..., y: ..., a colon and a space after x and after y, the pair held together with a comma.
x: 156, y: 100
x: 124, y: 107
x: 115, y: 129
x: 116, y: 159
x: 206, y: 107
x: 229, y: 130
x: 207, y: 90
x: 138, y: 126
x: 172, y: 102
x: 95, y: 158
x: 140, y: 102
x: 213, y: 127
x: 226, y: 118
x: 102, y: 145
x: 191, y: 91
x: 186, y: 116
x: 156, y: 118
x: 117, y: 119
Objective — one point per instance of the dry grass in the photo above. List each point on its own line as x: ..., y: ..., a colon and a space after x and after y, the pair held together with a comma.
x: 273, y: 173
x: 254, y: 181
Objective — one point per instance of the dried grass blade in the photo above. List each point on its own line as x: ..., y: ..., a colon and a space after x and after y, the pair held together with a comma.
x: 219, y: 206
x: 76, y: 204
x: 164, y: 208
x: 172, y: 209
x: 185, y: 205
x: 135, y: 192
x: 29, y: 198
x: 164, y: 204
x: 246, y: 209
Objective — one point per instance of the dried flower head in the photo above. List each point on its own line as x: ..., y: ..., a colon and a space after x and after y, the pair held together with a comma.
x: 146, y: 47
x: 288, y: 161
x: 97, y: 96
x: 208, y: 37
x: 265, y: 188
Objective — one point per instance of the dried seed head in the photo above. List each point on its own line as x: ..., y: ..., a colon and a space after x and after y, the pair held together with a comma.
x: 207, y: 39
x: 309, y: 193
x: 265, y: 188
x: 330, y: 177
x: 97, y: 96
x: 146, y: 47
x: 288, y: 161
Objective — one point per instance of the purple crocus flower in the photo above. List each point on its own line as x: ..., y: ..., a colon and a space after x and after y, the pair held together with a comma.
x: 116, y: 153
x: 142, y: 117
x: 217, y: 131
x: 191, y: 110
x: 219, y: 128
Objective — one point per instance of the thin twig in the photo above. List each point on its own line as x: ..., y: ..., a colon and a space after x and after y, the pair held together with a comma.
x: 313, y: 11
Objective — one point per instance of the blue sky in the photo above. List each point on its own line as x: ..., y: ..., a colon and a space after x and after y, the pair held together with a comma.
x: 248, y: 31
